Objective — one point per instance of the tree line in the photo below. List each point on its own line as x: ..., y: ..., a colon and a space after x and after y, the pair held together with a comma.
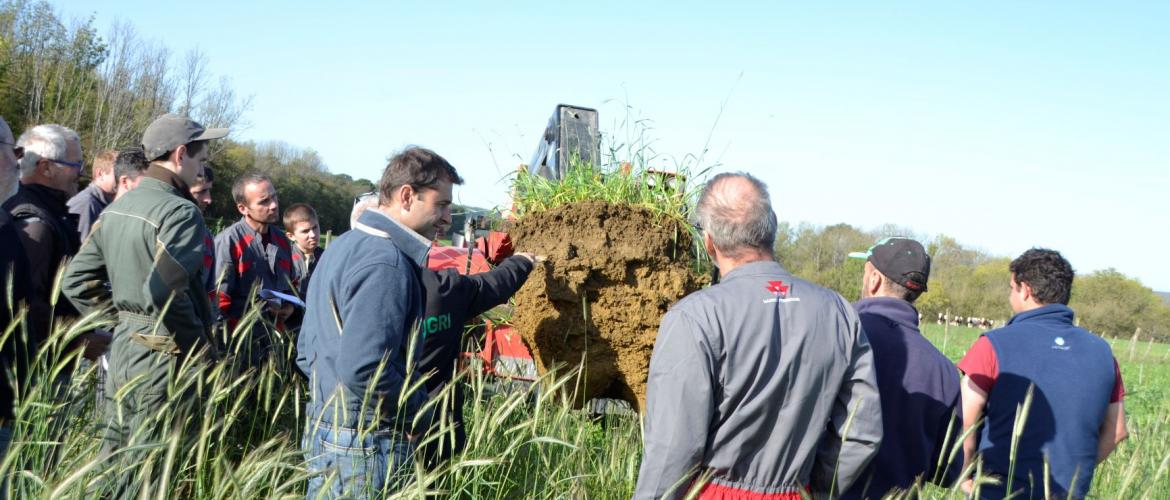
x: 969, y: 282
x: 110, y: 87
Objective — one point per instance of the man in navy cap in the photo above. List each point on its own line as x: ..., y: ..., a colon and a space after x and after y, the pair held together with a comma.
x: 919, y: 386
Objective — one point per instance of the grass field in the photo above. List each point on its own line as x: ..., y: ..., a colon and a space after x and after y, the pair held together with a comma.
x: 245, y: 441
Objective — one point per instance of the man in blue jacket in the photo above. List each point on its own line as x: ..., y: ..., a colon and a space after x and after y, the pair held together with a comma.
x: 919, y: 386
x: 359, y: 344
x: 1076, y: 416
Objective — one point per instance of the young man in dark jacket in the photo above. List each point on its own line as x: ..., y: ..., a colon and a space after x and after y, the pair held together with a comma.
x: 919, y: 386
x: 304, y: 231
x: 89, y: 202
x: 451, y: 300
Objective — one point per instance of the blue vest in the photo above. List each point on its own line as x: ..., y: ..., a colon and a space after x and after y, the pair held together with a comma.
x: 1072, y: 371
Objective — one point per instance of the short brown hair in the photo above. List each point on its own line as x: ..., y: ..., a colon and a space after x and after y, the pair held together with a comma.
x: 299, y: 212
x: 104, y: 161
x: 130, y: 163
x: 243, y: 181
x: 420, y: 168
x: 1048, y: 273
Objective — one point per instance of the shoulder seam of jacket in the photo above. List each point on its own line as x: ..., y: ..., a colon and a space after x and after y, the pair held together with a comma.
x: 143, y: 219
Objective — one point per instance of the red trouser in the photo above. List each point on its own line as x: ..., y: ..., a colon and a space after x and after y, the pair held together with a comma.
x: 714, y: 491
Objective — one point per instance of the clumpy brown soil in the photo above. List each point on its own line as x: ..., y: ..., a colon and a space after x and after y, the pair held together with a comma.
x: 611, y: 273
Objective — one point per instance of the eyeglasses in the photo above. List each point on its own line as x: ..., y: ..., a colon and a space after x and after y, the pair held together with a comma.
x: 363, y: 197
x: 16, y: 150
x: 75, y: 164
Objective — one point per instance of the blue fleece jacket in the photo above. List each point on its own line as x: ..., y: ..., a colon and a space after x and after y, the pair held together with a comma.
x: 920, y: 395
x: 363, y: 307
x: 1070, y: 373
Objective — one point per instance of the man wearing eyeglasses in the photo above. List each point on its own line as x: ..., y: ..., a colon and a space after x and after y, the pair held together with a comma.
x: 49, y: 168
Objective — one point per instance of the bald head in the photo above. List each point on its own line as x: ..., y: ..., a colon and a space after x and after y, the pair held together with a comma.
x: 9, y: 165
x: 736, y: 211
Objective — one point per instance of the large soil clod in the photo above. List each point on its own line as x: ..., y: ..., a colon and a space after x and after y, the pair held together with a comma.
x: 611, y: 273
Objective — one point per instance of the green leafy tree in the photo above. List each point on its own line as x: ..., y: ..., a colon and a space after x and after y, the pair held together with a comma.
x: 1112, y: 304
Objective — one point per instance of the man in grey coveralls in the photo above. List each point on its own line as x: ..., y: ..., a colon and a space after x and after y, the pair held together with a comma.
x: 762, y: 385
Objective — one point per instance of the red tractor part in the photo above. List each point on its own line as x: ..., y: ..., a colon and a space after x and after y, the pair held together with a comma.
x: 504, y: 354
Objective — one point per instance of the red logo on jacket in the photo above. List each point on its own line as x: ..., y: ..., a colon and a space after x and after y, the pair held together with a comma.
x: 778, y: 288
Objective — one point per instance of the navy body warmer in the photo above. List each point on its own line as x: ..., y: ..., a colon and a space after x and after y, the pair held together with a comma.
x: 1072, y: 370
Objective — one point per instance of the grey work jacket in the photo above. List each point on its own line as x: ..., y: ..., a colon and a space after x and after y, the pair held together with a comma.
x: 754, y: 381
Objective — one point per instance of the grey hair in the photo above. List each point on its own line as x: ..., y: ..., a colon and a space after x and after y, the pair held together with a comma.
x: 44, y: 141
x: 363, y: 202
x: 736, y: 225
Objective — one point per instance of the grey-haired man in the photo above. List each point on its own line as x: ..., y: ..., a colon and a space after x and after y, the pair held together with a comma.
x: 49, y: 168
x: 761, y: 385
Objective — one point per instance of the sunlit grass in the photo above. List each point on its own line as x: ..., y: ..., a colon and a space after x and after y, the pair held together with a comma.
x: 245, y: 440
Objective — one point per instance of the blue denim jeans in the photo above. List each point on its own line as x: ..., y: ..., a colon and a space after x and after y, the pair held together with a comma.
x: 346, y: 465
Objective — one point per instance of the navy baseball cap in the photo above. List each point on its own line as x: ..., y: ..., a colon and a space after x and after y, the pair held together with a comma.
x: 900, y: 259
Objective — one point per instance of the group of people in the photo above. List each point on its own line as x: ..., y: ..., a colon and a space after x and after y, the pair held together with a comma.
x: 766, y: 386
x: 134, y: 244
x: 761, y: 386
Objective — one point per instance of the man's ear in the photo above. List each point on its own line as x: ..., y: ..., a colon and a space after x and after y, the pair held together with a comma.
x: 242, y: 208
x: 405, y: 197
x: 176, y: 156
x: 1026, y: 292
x: 709, y: 244
x: 44, y: 168
x: 876, y: 281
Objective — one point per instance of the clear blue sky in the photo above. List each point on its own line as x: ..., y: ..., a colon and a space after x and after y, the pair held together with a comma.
x: 1004, y: 124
